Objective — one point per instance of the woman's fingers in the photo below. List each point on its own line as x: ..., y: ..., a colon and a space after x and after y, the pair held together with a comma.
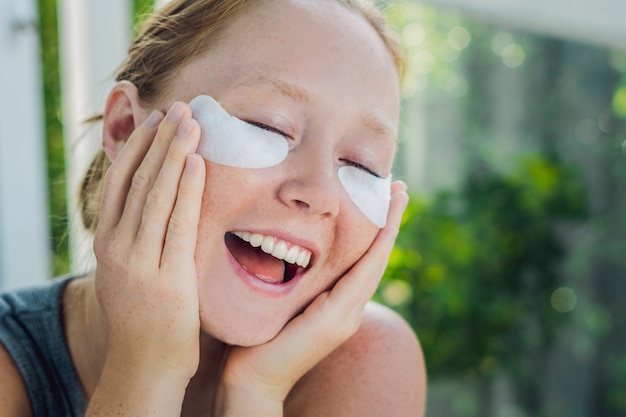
x: 164, y: 193
x: 339, y: 310
x: 398, y: 186
x: 182, y: 230
x: 152, y: 309
x: 147, y: 172
x: 355, y: 288
x: 120, y: 174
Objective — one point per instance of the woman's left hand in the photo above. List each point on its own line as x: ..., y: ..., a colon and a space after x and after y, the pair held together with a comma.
x: 257, y: 379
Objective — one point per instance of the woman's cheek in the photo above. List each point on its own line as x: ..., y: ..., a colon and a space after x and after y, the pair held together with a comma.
x: 354, y: 235
x: 225, y: 189
x: 214, y: 215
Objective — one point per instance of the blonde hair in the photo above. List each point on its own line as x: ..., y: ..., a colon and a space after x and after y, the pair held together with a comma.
x: 172, y: 36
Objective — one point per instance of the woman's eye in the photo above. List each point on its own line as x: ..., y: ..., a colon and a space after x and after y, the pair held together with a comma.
x: 360, y: 166
x: 268, y: 128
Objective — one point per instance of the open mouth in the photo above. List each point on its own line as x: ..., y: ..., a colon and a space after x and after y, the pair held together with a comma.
x: 270, y: 259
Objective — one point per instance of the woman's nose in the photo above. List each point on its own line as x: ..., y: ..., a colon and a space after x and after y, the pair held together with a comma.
x: 311, y: 184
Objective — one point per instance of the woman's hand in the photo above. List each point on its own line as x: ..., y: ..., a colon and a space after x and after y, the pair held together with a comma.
x: 260, y: 377
x: 145, y: 278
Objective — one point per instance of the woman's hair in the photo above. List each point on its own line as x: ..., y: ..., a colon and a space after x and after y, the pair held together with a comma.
x: 175, y: 34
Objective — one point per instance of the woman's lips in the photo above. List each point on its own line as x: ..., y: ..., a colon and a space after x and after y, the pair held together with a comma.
x: 260, y: 284
x: 255, y: 261
x: 267, y: 263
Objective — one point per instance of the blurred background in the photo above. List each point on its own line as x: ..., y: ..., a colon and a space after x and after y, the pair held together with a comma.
x: 511, y: 261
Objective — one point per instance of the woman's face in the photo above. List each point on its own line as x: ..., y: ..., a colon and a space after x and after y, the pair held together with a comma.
x: 319, y: 74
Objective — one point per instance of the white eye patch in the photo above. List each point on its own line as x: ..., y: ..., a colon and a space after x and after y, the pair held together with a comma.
x: 370, y: 194
x: 227, y: 140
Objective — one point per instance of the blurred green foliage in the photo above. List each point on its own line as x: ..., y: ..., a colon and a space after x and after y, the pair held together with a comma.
x: 49, y: 38
x: 57, y: 192
x: 474, y: 270
x: 523, y: 258
x: 141, y: 9
x: 434, y: 42
x: 617, y: 60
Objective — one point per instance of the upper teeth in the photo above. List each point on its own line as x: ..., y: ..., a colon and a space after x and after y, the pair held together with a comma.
x: 277, y: 248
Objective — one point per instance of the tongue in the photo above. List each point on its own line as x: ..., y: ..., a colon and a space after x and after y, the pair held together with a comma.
x: 255, y: 261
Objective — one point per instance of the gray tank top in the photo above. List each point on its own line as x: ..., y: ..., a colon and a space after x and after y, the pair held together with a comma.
x: 31, y: 330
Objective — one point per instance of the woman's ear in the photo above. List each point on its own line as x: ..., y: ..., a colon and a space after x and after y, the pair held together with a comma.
x: 122, y: 113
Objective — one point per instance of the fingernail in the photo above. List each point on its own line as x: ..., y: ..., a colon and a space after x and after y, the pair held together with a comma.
x: 154, y: 119
x: 185, y: 128
x: 175, y: 113
x: 406, y: 196
x: 190, y: 164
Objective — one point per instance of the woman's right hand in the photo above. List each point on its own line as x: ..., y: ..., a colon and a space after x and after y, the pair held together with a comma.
x: 256, y: 380
x: 145, y: 278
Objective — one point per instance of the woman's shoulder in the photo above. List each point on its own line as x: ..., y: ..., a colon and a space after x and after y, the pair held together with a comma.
x: 378, y: 371
x: 33, y: 353
x: 19, y: 310
x: 13, y: 395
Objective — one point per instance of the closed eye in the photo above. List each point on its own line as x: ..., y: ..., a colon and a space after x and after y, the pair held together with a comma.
x: 280, y: 132
x: 360, y: 166
x: 268, y: 128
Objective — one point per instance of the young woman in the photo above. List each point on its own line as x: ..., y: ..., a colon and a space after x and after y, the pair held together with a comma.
x: 229, y: 285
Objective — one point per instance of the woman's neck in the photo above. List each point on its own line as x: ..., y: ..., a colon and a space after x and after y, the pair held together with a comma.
x: 84, y: 331
x: 200, y: 394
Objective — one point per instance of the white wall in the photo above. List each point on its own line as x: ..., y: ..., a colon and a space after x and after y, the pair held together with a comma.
x: 94, y: 36
x: 24, y: 247
x: 600, y: 22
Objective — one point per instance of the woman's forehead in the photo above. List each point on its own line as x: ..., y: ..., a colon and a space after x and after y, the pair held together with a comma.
x: 307, y: 56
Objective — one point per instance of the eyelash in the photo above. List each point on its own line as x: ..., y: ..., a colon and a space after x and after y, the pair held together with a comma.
x: 360, y: 166
x: 268, y: 128
x: 347, y: 161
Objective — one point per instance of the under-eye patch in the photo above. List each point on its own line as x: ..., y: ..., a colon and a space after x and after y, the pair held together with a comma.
x: 370, y: 194
x: 227, y: 140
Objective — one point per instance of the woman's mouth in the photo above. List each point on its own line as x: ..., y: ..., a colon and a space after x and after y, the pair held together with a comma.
x: 269, y: 258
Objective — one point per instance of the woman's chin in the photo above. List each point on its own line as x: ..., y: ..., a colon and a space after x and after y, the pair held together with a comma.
x: 242, y: 337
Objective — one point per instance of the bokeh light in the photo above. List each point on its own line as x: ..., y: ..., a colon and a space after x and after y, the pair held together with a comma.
x: 563, y: 299
x: 466, y: 404
x: 422, y: 62
x: 447, y: 53
x: 413, y: 34
x: 396, y: 293
x: 619, y: 102
x: 617, y: 60
x: 513, y: 55
x: 500, y: 41
x: 587, y: 131
x: 459, y: 38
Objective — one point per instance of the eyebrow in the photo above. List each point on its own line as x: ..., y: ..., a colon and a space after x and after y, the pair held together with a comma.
x: 299, y: 94
x: 287, y: 89
x: 379, y: 127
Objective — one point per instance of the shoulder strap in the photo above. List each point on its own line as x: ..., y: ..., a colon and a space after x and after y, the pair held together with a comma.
x: 31, y: 329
